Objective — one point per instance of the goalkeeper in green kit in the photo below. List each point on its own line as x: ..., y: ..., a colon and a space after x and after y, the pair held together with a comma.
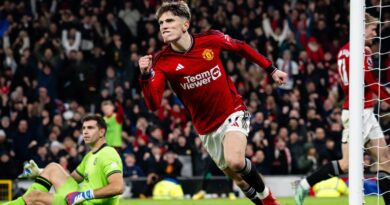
x: 100, y: 174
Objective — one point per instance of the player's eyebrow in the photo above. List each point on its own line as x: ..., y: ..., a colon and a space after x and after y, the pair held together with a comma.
x: 166, y: 20
x: 88, y: 126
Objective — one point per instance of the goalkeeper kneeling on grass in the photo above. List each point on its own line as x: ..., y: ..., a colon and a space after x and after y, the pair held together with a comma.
x: 100, y: 174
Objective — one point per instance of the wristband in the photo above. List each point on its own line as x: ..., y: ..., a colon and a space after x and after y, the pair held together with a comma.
x: 145, y: 76
x: 271, y: 69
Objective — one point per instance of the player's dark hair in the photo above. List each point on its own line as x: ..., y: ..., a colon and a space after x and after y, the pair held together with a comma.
x: 178, y: 8
x: 99, y: 120
x: 107, y: 102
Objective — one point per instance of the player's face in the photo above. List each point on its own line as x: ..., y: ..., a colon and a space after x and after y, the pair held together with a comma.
x: 172, y: 27
x: 370, y: 33
x: 91, y: 132
x: 108, y: 109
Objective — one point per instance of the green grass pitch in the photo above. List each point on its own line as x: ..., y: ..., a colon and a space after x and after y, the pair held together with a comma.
x: 283, y: 201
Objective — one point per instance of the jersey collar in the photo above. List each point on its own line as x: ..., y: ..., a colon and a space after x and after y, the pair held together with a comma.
x: 101, y: 147
x: 189, y: 49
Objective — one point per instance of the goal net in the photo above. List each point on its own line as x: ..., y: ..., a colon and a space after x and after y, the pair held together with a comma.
x: 379, y: 66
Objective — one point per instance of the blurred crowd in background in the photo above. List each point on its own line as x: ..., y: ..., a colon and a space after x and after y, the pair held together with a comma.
x: 60, y: 59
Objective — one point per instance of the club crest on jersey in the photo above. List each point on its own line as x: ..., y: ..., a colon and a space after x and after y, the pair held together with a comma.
x: 208, y: 54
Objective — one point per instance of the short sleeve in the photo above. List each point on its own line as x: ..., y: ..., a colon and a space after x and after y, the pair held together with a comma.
x: 111, y: 163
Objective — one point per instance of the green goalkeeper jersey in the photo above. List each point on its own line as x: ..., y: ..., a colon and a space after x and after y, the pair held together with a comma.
x: 96, y: 167
x: 114, y: 131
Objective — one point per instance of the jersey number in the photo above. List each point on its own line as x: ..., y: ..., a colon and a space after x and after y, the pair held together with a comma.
x: 342, y: 71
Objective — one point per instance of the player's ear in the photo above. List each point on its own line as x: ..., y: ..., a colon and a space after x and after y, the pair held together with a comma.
x: 186, y: 25
x: 102, y: 132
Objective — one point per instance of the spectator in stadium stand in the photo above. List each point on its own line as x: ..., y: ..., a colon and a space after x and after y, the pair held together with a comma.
x: 259, y: 161
x: 110, y: 81
x: 372, y: 133
x: 329, y: 153
x: 281, y: 159
x: 42, y: 156
x: 71, y: 40
x: 5, y: 143
x: 307, y: 162
x: 289, y: 66
x: 295, y: 145
x: 153, y: 159
x: 130, y: 168
x: 133, y: 171
x: 170, y: 166
x: 23, y: 143
x: 319, y: 140
x: 8, y: 167
x: 185, y: 153
x: 156, y: 136
x: 114, y: 121
x: 224, y: 135
x: 314, y: 50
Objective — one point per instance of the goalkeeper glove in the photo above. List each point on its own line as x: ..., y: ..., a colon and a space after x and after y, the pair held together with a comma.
x: 30, y: 170
x: 78, y: 197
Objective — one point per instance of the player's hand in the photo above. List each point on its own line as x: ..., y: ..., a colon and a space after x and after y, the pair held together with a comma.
x: 145, y: 64
x: 367, y: 50
x: 78, y: 197
x: 280, y: 77
x: 30, y: 170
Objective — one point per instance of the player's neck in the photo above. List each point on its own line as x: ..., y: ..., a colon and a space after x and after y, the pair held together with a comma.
x: 98, y: 144
x: 183, y: 44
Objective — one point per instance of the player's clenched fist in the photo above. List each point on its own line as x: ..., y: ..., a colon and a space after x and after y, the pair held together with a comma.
x: 280, y: 77
x: 145, y: 64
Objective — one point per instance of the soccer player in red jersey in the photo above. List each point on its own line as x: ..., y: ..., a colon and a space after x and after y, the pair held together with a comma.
x: 195, y: 72
x: 372, y: 132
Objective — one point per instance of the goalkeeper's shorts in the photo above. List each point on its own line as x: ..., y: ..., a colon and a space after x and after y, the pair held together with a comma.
x: 238, y: 121
x: 371, y: 127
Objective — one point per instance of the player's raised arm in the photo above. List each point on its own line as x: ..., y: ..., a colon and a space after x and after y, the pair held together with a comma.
x: 246, y: 51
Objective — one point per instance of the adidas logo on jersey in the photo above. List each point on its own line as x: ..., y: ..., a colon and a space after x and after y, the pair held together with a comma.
x: 179, y: 67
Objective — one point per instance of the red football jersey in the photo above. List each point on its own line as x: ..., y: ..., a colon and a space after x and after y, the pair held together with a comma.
x: 371, y: 84
x: 199, y: 79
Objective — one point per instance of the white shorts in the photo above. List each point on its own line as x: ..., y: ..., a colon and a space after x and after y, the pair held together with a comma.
x: 238, y: 121
x: 371, y: 127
